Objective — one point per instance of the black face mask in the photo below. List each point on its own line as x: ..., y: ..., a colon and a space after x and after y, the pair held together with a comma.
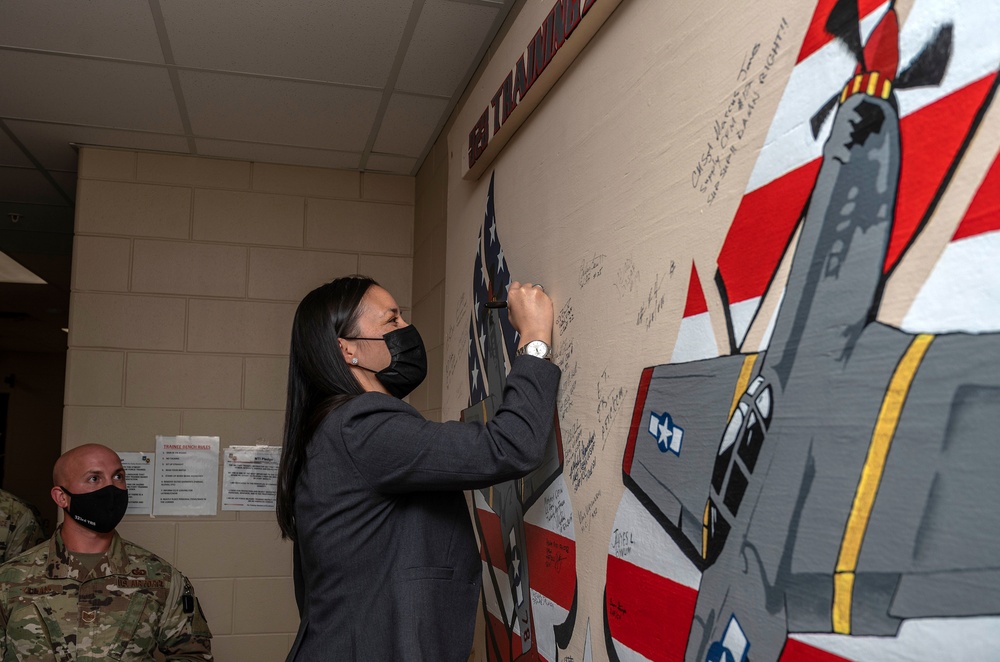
x: 100, y: 510
x: 409, y: 361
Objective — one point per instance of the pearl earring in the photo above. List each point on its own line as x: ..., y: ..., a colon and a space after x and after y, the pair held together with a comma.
x: 354, y: 361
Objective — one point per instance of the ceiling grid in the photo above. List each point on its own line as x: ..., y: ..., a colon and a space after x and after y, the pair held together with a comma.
x: 362, y: 86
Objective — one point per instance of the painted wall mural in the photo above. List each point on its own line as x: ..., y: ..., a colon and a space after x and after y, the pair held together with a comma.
x: 772, y: 236
x: 818, y: 484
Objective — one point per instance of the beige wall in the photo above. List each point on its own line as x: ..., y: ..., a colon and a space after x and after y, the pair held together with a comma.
x: 186, y: 274
x: 429, y: 239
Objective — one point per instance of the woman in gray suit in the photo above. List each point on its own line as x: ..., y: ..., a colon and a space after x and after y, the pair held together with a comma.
x: 386, y: 562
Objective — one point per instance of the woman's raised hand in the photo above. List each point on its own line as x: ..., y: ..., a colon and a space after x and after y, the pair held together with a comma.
x: 530, y: 311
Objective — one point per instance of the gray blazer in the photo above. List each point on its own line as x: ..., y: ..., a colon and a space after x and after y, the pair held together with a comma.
x: 387, y: 565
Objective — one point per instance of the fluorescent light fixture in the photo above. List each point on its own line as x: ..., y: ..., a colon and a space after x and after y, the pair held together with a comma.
x: 12, y: 272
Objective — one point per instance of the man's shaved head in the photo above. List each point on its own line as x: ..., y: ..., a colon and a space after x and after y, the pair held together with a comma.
x: 77, y: 461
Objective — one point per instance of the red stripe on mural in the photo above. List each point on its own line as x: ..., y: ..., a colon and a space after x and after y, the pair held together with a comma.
x: 796, y: 651
x: 648, y: 613
x: 696, y: 303
x: 503, y: 638
x: 763, y: 224
x: 817, y: 36
x: 633, y: 431
x: 931, y: 139
x: 766, y: 218
x: 551, y: 558
x: 551, y: 564
x: 984, y: 212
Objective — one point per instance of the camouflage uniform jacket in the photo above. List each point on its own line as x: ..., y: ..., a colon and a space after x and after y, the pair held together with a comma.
x: 20, y: 527
x: 129, y: 605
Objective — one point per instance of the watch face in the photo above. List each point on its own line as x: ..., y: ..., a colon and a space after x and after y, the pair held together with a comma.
x: 536, y: 348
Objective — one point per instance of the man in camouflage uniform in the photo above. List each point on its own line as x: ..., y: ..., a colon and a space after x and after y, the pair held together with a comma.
x: 87, y: 594
x: 20, y: 526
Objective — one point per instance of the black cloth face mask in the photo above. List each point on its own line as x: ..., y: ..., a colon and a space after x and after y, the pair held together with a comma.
x: 100, y: 510
x: 408, y: 367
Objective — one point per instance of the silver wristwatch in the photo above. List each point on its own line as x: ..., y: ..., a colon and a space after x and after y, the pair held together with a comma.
x: 537, y: 348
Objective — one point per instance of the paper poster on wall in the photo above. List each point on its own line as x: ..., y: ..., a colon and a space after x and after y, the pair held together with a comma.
x: 139, y: 478
x: 187, y: 476
x: 250, y: 477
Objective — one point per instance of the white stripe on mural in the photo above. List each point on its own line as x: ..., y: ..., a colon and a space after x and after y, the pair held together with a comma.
x: 919, y: 639
x: 546, y: 614
x: 637, y: 538
x: 790, y: 143
x: 742, y: 313
x: 492, y: 600
x: 976, y: 46
x: 559, y: 518
x: 695, y: 340
x: 962, y: 293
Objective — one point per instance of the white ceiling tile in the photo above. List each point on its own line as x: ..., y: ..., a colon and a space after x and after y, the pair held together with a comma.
x: 447, y: 37
x: 275, y: 111
x: 50, y: 143
x: 98, y: 93
x: 11, y: 154
x: 341, y: 42
x: 320, y: 158
x: 396, y: 165
x: 409, y: 124
x: 28, y: 185
x: 109, y: 28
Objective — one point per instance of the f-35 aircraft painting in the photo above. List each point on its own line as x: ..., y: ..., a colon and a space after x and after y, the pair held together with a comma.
x: 820, y: 484
x: 525, y: 527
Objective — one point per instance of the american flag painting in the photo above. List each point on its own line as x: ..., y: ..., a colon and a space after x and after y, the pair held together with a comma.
x: 490, y: 280
x: 524, y: 527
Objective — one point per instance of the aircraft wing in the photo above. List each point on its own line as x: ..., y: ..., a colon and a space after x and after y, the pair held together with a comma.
x: 680, y: 414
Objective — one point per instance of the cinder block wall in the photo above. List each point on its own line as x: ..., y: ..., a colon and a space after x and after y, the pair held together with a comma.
x: 186, y: 274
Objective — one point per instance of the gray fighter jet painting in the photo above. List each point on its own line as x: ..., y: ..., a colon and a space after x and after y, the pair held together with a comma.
x: 841, y: 480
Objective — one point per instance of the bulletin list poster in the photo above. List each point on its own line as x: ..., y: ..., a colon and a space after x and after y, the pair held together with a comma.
x: 139, y: 478
x: 187, y: 476
x: 250, y: 477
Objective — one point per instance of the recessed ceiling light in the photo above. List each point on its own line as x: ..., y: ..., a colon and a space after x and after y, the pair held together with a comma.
x: 12, y: 272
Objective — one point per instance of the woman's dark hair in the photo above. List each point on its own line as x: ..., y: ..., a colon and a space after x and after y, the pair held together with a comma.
x: 319, y: 380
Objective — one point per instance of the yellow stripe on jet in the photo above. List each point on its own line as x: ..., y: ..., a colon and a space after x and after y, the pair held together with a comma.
x: 742, y: 381
x: 872, y: 84
x: 871, y: 477
x: 704, y: 531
